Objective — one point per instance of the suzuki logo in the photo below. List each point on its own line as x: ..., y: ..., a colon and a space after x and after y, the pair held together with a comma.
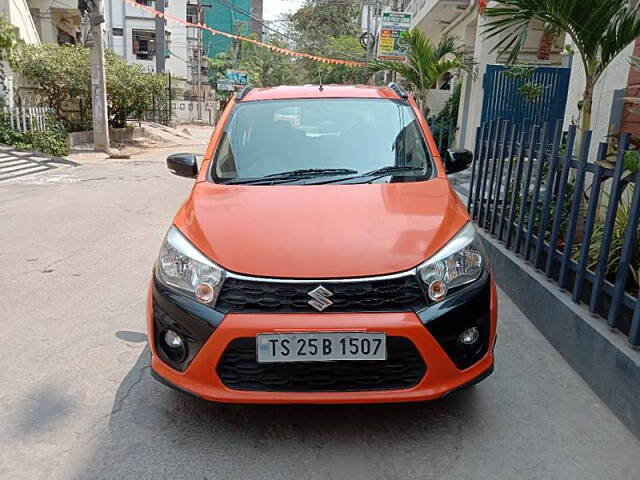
x: 320, y: 298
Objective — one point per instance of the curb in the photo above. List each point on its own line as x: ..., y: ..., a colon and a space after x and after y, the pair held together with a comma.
x: 602, y: 357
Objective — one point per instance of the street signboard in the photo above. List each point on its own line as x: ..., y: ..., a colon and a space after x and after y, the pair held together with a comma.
x: 238, y: 77
x: 390, y: 45
x: 225, y: 85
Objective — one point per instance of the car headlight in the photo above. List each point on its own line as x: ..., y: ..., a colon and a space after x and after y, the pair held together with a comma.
x: 183, y: 266
x: 457, y: 263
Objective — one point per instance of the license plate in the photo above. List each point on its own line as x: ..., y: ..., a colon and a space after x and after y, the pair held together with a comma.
x: 320, y: 346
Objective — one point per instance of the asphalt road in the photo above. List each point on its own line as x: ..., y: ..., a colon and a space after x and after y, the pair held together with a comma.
x: 77, y: 400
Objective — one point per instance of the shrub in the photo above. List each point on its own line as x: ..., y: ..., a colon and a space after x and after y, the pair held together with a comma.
x: 61, y: 73
x: 53, y: 140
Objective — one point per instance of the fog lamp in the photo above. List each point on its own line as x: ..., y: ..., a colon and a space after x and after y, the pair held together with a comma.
x: 437, y: 290
x: 172, y: 339
x: 469, y: 336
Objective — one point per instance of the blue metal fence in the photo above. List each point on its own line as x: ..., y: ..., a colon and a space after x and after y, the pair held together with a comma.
x: 504, y: 100
x: 576, y: 220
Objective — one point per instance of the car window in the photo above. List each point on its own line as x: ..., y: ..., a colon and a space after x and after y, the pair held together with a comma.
x: 269, y: 137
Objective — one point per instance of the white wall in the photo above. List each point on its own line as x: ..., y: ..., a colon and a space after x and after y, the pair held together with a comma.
x: 472, y: 92
x: 614, y: 78
x: 436, y: 100
x: 17, y: 11
x: 185, y: 111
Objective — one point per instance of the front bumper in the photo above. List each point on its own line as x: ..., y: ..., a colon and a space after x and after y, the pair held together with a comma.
x: 198, y: 374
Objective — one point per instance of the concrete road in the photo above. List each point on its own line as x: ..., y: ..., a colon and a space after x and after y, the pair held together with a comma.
x: 77, y: 400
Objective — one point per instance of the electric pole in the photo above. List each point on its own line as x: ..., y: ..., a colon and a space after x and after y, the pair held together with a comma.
x: 160, y: 38
x: 95, y: 11
x: 199, y: 59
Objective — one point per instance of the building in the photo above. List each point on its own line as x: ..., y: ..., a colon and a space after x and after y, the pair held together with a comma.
x: 132, y: 34
x: 461, y: 18
x: 243, y: 17
x: 18, y: 14
x: 57, y: 22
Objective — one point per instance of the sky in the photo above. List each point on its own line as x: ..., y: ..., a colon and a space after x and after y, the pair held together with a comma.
x: 272, y: 9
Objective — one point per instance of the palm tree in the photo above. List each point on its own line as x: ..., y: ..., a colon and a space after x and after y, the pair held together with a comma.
x: 601, y: 29
x: 426, y: 63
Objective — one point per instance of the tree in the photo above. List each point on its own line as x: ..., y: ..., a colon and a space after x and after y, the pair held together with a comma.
x: 601, y: 29
x: 343, y: 47
x: 317, y: 21
x: 426, y: 63
x: 131, y: 91
x: 320, y: 27
x: 265, y: 68
x: 58, y: 74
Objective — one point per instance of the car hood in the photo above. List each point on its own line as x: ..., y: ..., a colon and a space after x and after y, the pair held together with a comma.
x: 321, y: 231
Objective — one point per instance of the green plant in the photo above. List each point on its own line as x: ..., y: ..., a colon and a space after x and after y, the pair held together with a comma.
x: 448, y: 117
x: 426, y: 63
x: 518, y: 71
x: 531, y: 91
x: 53, y: 140
x: 347, y: 48
x: 131, y: 91
x: 600, y: 29
x: 57, y: 74
x: 617, y: 239
x: 631, y: 160
x: 62, y: 73
x: 316, y: 22
x: 265, y: 68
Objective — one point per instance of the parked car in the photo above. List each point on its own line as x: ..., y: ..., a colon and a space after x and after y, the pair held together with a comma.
x: 322, y: 256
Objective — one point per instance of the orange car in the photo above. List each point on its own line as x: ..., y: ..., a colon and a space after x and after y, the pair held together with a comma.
x: 321, y: 257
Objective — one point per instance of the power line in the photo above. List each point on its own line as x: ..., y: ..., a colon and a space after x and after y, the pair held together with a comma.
x: 262, y: 21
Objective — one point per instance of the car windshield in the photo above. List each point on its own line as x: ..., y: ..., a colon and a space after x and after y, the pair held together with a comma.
x: 321, y: 140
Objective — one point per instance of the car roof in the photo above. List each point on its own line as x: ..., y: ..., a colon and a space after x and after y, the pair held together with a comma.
x: 315, y: 91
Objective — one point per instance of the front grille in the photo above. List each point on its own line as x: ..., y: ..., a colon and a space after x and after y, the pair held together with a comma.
x: 388, y: 295
x: 403, y: 368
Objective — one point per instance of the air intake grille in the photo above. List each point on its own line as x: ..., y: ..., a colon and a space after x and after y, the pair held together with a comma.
x: 403, y: 368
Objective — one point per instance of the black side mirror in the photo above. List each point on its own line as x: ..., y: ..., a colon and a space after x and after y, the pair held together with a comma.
x: 457, y: 159
x: 183, y: 164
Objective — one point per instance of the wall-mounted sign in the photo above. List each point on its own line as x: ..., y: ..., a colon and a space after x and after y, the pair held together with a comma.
x: 390, y: 45
x: 225, y: 85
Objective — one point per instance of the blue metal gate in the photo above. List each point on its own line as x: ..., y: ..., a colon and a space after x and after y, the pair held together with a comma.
x: 504, y: 101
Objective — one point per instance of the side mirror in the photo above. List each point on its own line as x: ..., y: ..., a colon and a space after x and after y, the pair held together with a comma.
x: 457, y: 159
x: 183, y: 164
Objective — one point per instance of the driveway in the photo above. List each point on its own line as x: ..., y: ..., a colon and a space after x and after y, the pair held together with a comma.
x: 77, y: 400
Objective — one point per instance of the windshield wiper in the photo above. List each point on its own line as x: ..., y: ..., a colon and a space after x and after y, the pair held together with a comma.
x: 294, y: 175
x: 390, y: 169
x: 381, y: 172
x: 311, y: 171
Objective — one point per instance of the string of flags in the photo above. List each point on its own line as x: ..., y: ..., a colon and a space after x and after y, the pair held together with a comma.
x: 283, y: 51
